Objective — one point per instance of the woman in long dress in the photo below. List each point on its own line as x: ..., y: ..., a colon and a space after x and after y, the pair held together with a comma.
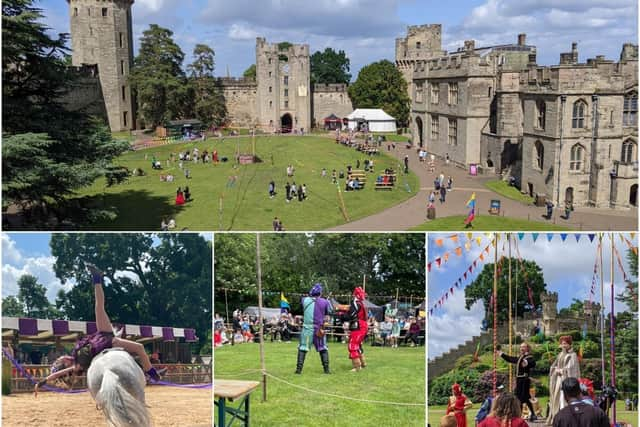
x: 565, y: 366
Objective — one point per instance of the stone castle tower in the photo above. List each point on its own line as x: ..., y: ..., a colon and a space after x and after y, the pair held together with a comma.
x: 283, y: 85
x: 101, y: 35
x: 550, y: 312
x: 421, y: 43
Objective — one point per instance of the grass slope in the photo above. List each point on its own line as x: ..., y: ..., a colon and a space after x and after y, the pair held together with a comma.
x: 487, y: 223
x: 503, y: 188
x: 142, y: 202
x: 393, y: 375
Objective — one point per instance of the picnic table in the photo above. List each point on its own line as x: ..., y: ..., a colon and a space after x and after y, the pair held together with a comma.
x: 230, y: 391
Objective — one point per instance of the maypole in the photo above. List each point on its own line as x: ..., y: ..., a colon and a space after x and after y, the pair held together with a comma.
x: 510, y: 318
x: 602, y: 309
x: 495, y: 314
x: 259, y: 274
x: 612, y: 332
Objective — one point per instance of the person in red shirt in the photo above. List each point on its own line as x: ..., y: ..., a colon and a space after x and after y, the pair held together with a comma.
x: 458, y: 405
x: 506, y: 412
x: 358, y: 326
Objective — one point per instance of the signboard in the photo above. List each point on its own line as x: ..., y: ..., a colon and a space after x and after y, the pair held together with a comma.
x: 494, y: 208
x: 473, y: 169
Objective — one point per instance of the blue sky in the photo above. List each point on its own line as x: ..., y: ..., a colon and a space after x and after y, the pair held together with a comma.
x: 567, y: 269
x: 29, y: 253
x: 366, y: 29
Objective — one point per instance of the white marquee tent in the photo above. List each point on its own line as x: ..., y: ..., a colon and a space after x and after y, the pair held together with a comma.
x: 375, y: 119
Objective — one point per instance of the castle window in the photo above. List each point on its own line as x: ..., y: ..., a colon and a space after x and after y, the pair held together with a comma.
x: 541, y: 112
x: 89, y: 11
x: 104, y: 11
x: 270, y: 89
x: 579, y: 108
x: 286, y: 92
x: 577, y: 157
x: 75, y: 11
x: 286, y: 80
x: 121, y: 36
x: 435, y: 93
x: 435, y: 127
x: 489, y: 92
x: 493, y: 116
x: 453, y: 132
x: 124, y: 93
x: 418, y: 45
x: 269, y: 73
x: 270, y: 104
x: 453, y: 93
x: 122, y: 67
x: 419, y: 92
x: 628, y: 149
x: 286, y: 104
x: 269, y: 61
x: 538, y: 155
x: 124, y: 118
x: 630, y: 111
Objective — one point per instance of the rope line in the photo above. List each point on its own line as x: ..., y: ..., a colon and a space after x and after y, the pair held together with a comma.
x: 380, y: 402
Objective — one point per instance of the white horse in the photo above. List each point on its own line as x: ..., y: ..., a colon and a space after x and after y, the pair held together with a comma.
x: 117, y: 384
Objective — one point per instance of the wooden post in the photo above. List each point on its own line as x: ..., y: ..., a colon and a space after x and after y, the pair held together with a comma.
x: 259, y: 280
x: 510, y: 319
x: 495, y: 313
x: 612, y: 332
x: 602, y: 310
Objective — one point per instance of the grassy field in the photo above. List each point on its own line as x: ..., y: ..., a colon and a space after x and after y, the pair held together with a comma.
x: 436, y: 412
x: 503, y: 188
x: 487, y: 223
x: 393, y: 375
x: 230, y: 197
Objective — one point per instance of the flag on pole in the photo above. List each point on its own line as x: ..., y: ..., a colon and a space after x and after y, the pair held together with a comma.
x: 284, y: 304
x: 471, y: 204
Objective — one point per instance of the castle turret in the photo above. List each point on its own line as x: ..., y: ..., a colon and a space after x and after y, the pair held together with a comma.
x: 550, y: 312
x: 283, y: 74
x: 101, y: 34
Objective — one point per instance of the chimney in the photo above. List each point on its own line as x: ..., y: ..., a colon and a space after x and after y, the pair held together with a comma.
x: 522, y: 39
x: 469, y: 45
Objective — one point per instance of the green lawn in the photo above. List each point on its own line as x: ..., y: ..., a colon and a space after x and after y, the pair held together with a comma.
x: 503, y: 188
x: 393, y: 375
x: 436, y: 412
x: 142, y: 202
x: 487, y: 223
x: 126, y: 135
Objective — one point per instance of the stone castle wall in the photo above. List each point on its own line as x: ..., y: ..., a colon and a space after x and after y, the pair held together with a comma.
x: 85, y: 93
x: 240, y: 100
x: 330, y: 99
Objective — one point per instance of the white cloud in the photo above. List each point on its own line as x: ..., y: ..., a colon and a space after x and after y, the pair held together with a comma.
x: 41, y: 267
x: 10, y: 252
x: 241, y: 32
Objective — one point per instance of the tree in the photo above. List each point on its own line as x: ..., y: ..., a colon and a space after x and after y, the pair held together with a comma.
x: 33, y: 296
x: 381, y: 85
x: 157, y: 77
x: 627, y: 331
x: 250, y: 73
x: 528, y: 276
x: 48, y: 151
x: 163, y: 280
x: 330, y: 67
x: 209, y: 105
x: 11, y: 307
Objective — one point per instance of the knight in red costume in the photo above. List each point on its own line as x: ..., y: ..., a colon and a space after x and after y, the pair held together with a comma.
x: 458, y: 405
x: 358, y: 327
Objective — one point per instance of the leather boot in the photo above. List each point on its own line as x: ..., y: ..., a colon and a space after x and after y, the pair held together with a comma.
x: 324, y: 357
x: 300, y: 364
x: 356, y: 365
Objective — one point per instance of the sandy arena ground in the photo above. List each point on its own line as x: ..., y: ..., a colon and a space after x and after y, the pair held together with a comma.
x: 169, y: 406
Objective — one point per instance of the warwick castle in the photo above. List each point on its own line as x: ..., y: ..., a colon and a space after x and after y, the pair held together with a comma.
x: 567, y: 131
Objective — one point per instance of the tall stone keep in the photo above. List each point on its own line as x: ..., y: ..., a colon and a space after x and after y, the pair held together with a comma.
x: 101, y: 35
x: 283, y: 74
x: 421, y: 43
x: 550, y: 312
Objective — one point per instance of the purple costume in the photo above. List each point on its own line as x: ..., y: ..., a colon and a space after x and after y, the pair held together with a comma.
x: 315, y: 308
x: 90, y: 346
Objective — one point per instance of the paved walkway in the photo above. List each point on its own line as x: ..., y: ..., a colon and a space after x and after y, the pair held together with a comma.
x: 412, y: 212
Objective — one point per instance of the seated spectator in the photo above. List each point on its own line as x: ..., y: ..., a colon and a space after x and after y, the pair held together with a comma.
x: 172, y: 224
x: 413, y: 334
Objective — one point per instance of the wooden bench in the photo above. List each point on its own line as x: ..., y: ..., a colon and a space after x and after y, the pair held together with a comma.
x: 387, y: 183
x: 229, y: 391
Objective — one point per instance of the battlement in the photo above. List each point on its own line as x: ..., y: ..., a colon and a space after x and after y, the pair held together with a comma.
x: 412, y: 30
x: 330, y: 87
x: 549, y: 297
x: 126, y: 3
x: 236, y: 81
x: 85, y: 70
x: 263, y: 47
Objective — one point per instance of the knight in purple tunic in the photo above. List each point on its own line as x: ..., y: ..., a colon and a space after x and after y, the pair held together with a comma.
x: 315, y: 308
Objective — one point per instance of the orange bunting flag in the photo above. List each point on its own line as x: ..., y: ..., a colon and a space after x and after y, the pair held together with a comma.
x: 459, y: 251
x: 481, y: 257
x: 446, y: 256
x: 439, y: 242
x: 454, y: 238
x: 633, y: 235
x: 487, y: 249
